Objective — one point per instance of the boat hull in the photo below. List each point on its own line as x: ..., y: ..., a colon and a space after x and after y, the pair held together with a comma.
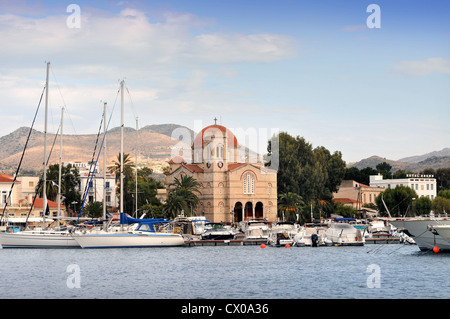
x: 418, y: 229
x: 128, y: 240
x: 443, y: 231
x: 36, y: 239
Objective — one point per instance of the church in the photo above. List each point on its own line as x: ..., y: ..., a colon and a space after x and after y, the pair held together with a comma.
x: 234, y: 186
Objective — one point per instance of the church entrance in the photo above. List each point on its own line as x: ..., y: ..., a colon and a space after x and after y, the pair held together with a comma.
x: 259, y: 210
x: 248, y: 210
x: 238, y: 212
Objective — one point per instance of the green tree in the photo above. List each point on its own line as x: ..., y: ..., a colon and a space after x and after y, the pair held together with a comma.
x: 441, y: 205
x: 443, y: 178
x: 183, y: 196
x: 444, y: 193
x: 309, y: 173
x: 93, y: 209
x: 289, y: 205
x: 385, y: 169
x: 398, y: 200
x: 70, y: 179
x: 422, y: 206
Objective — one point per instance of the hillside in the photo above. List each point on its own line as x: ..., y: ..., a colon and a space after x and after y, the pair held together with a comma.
x: 413, y: 163
x: 154, y: 147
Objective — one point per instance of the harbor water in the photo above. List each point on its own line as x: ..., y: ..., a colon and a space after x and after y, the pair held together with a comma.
x: 231, y: 272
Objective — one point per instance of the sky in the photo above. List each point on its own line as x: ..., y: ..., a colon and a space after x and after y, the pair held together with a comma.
x: 362, y: 82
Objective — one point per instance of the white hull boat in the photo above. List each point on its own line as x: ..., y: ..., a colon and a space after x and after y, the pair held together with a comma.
x: 311, y: 237
x: 38, y: 239
x: 131, y: 239
x: 144, y: 235
x: 417, y: 229
x: 343, y: 234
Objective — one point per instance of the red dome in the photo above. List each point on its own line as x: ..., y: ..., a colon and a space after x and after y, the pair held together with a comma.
x: 210, y: 131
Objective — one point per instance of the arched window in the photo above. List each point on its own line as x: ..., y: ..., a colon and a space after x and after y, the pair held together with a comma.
x: 249, y: 183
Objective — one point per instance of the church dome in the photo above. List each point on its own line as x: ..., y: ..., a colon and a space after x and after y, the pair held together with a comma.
x: 213, y: 131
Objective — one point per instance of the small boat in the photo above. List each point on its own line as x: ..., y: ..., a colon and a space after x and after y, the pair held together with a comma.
x: 344, y: 234
x: 311, y: 236
x: 216, y: 231
x: 280, y: 238
x: 255, y: 229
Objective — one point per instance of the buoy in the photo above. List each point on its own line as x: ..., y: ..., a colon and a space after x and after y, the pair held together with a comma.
x: 287, y: 246
x: 436, y: 249
x: 263, y: 245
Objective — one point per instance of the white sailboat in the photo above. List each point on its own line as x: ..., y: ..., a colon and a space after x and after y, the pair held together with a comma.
x: 143, y: 236
x: 45, y: 238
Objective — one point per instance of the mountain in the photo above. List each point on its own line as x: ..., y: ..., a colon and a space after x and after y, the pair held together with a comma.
x: 154, y: 147
x: 419, y: 158
x: 414, y: 163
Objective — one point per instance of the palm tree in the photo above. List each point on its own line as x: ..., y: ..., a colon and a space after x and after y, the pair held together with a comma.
x: 127, y: 166
x: 289, y: 204
x: 183, y: 196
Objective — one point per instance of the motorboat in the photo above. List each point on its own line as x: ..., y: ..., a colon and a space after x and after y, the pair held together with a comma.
x: 280, y: 238
x: 144, y: 235
x: 255, y: 229
x: 417, y: 229
x: 311, y: 236
x: 216, y: 231
x: 344, y: 234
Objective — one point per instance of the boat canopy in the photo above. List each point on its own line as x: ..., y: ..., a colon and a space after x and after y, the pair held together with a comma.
x: 125, y: 219
x: 344, y: 219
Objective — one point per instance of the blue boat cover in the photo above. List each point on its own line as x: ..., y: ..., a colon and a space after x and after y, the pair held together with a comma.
x: 125, y: 219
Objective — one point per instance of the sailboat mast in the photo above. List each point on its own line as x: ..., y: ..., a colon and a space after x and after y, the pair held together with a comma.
x: 44, y: 186
x: 137, y: 136
x: 121, y: 145
x: 104, y: 161
x: 60, y: 162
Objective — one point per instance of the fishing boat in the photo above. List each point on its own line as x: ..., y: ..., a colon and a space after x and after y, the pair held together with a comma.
x: 144, y: 235
x: 417, y: 229
x: 344, y: 234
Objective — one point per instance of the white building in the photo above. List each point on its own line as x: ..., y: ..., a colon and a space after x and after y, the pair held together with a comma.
x: 424, y: 185
x: 97, y: 185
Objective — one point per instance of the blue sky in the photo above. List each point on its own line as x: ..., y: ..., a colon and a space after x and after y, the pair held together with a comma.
x: 310, y: 68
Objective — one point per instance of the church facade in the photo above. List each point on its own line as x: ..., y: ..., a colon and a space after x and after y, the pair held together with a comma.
x: 233, y: 188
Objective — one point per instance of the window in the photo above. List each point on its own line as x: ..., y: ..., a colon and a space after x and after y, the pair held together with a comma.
x: 249, y: 183
x: 431, y: 186
x: 30, y: 184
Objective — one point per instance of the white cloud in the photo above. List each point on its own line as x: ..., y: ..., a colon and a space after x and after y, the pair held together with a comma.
x: 162, y: 61
x: 423, y: 67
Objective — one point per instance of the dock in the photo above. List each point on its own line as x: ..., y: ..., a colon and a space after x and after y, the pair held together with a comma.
x: 229, y: 242
x: 383, y: 239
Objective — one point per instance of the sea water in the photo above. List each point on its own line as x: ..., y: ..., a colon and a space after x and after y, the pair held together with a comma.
x: 231, y: 272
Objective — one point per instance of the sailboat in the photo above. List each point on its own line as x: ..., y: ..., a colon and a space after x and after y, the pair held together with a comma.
x: 144, y: 235
x: 44, y: 238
